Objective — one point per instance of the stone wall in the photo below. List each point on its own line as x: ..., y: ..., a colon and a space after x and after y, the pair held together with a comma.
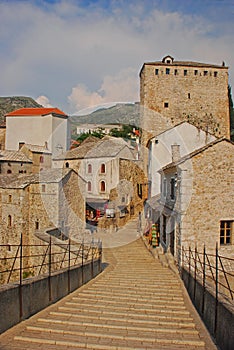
x: 211, y: 198
x: 201, y: 98
x: 38, y: 207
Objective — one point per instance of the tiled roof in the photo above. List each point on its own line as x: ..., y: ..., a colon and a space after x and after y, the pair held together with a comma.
x: 36, y: 112
x: 36, y: 148
x: 13, y: 156
x: 80, y: 151
x: 109, y: 147
x: 22, y: 181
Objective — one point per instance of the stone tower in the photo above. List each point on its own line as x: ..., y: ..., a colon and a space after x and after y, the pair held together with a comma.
x: 175, y: 91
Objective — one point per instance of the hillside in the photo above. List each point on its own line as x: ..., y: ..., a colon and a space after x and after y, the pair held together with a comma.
x: 121, y: 113
x: 9, y: 104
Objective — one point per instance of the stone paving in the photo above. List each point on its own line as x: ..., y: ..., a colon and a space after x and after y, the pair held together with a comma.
x: 135, y: 303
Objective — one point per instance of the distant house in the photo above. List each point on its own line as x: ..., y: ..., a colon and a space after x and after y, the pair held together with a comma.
x: 196, y: 201
x: 100, y: 163
x: 40, y: 156
x: 90, y: 128
x: 38, y: 126
x: 39, y: 207
x: 34, y: 204
x: 14, y: 162
x: 187, y: 136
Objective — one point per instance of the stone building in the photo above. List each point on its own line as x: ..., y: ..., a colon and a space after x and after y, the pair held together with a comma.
x: 174, y: 91
x: 39, y: 205
x: 40, y: 156
x: 38, y: 126
x: 14, y: 162
x: 39, y: 202
x: 114, y: 179
x: 185, y: 136
x: 2, y: 135
x: 196, y: 203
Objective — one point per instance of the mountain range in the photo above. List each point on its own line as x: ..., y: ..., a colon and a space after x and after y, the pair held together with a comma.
x: 121, y: 113
x: 10, y: 104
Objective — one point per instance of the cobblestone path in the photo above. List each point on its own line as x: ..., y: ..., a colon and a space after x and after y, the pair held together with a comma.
x: 134, y: 304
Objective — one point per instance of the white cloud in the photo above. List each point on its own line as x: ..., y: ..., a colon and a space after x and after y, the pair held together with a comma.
x: 44, y: 101
x: 64, y: 49
x: 122, y: 87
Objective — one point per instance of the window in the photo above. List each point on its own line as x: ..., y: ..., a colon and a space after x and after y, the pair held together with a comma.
x: 215, y: 74
x: 9, y: 198
x: 205, y: 73
x: 41, y: 159
x: 9, y: 221
x: 37, y: 225
x: 139, y: 190
x: 167, y: 71
x: 89, y: 168
x: 176, y: 72
x: 166, y: 104
x: 189, y: 96
x: 172, y: 188
x: 185, y: 72
x: 164, y: 229
x: 196, y: 72
x: 164, y: 188
x: 8, y: 171
x: 226, y: 228
x: 102, y: 186
x: 103, y: 168
x: 156, y: 71
x: 67, y: 165
x: 43, y: 188
x: 89, y: 186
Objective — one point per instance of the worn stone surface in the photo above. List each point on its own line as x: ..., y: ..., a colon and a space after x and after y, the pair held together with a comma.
x: 134, y: 304
x: 200, y: 96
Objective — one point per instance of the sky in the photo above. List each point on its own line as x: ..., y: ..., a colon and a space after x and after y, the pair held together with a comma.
x: 75, y: 55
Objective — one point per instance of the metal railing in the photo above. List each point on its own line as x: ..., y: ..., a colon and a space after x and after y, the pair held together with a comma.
x: 213, y: 271
x: 20, y: 261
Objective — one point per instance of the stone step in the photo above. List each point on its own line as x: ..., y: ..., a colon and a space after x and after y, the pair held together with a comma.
x: 123, y: 327
x: 94, y: 340
x: 68, y: 339
x: 113, y: 306
x: 183, y: 317
x: 128, y: 300
x: 134, y: 320
x: 136, y: 292
x: 132, y: 296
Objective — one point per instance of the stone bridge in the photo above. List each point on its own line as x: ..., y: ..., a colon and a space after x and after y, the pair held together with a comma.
x: 135, y: 303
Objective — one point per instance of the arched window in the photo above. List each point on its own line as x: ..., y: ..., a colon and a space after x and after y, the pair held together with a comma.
x: 41, y: 159
x: 9, y: 221
x: 103, y: 168
x: 102, y: 186
x: 9, y: 171
x: 89, y: 186
x: 67, y: 165
x: 89, y: 168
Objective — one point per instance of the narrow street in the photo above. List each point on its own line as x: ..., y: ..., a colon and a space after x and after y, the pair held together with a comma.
x: 135, y: 303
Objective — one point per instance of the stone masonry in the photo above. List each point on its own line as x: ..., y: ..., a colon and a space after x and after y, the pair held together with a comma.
x: 174, y: 91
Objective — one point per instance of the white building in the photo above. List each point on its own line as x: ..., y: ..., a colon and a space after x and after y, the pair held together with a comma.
x: 187, y: 136
x: 90, y: 128
x: 38, y: 126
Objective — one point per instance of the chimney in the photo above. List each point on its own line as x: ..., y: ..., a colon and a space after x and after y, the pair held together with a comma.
x: 175, y: 152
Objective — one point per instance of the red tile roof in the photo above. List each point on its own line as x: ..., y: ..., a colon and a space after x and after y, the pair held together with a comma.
x: 35, y: 111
